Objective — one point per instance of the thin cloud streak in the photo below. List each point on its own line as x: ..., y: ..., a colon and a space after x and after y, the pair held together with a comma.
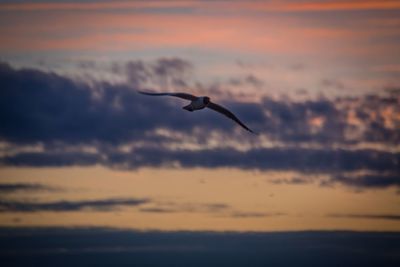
x: 395, y: 217
x: 146, y: 205
x: 381, y: 180
x: 173, y: 207
x: 8, y: 188
x: 249, y: 214
x: 70, y: 206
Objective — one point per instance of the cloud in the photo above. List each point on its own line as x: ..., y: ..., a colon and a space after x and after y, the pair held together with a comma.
x: 45, y: 107
x: 171, y: 66
x: 250, y: 79
x: 292, y: 121
x: 163, y: 72
x: 144, y: 204
x: 394, y: 217
x: 333, y: 83
x: 217, y: 209
x: 242, y: 214
x: 52, y: 159
x: 6, y: 188
x: 66, y: 206
x: 377, y: 180
x: 136, y: 72
x: 302, y: 160
x: 172, y: 207
x: 220, y: 210
x: 383, y: 178
x: 293, y: 180
x: 124, y: 129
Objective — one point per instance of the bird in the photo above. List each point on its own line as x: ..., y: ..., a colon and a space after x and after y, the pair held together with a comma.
x: 201, y: 102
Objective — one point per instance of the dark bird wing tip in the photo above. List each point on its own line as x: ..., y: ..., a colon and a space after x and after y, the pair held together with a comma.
x: 253, y: 132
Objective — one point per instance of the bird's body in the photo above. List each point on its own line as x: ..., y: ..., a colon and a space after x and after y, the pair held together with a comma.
x: 198, y: 103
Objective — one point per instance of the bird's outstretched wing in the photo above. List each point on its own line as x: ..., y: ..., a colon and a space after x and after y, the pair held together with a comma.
x: 180, y: 95
x: 229, y: 114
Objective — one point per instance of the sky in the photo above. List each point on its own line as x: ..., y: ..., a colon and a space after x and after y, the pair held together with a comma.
x: 318, y: 80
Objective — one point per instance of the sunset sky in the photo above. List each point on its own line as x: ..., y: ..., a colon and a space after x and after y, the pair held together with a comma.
x: 318, y: 80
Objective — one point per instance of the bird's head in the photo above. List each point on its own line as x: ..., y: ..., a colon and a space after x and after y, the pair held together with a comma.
x: 206, y: 100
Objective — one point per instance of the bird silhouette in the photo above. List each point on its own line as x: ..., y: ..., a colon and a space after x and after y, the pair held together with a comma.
x: 201, y: 102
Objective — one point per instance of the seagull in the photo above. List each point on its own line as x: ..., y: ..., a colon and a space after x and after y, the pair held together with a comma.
x: 201, y: 102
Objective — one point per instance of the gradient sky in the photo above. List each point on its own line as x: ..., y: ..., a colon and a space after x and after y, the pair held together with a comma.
x: 319, y: 80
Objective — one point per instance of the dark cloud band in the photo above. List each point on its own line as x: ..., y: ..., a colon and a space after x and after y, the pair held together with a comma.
x: 295, y: 159
x: 36, y: 106
x: 57, y: 112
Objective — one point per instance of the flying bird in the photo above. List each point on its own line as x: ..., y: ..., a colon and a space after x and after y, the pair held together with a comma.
x: 201, y: 102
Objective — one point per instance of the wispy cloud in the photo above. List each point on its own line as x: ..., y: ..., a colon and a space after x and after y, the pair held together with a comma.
x: 6, y: 188
x: 172, y: 207
x: 215, y: 209
x: 376, y: 180
x: 249, y: 214
x: 146, y: 205
x: 394, y: 217
x: 66, y: 206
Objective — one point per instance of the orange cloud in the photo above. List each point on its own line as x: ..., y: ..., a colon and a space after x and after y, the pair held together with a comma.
x: 108, y: 31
